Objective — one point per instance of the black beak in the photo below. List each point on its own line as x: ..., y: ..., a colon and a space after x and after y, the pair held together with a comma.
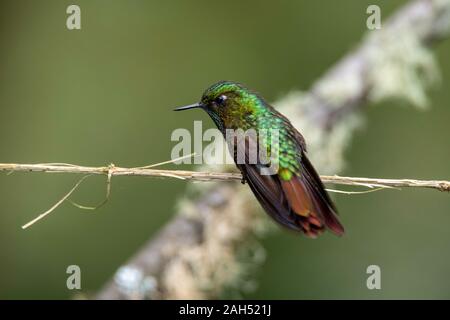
x: 191, y: 106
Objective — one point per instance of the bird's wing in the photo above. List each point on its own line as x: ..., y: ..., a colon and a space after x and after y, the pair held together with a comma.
x: 300, y: 203
x: 310, y: 189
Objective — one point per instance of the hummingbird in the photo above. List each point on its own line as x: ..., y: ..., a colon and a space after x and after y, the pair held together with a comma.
x: 293, y: 195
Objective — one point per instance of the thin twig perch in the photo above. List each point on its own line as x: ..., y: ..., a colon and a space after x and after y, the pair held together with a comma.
x: 112, y: 171
x: 146, y: 171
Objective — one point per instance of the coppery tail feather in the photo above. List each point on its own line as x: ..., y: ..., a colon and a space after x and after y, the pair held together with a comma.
x: 301, y: 203
x: 322, y: 203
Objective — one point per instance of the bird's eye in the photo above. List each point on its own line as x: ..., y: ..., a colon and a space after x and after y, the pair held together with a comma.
x: 220, y: 100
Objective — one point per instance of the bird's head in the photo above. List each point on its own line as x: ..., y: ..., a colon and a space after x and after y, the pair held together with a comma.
x: 228, y: 103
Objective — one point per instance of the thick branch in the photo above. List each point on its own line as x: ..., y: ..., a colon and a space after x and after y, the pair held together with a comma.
x: 196, y: 254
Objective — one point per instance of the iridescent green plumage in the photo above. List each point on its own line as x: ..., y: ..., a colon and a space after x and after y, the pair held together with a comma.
x: 246, y: 110
x: 293, y: 195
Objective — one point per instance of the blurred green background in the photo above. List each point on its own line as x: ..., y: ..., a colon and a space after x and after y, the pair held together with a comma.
x: 104, y: 94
